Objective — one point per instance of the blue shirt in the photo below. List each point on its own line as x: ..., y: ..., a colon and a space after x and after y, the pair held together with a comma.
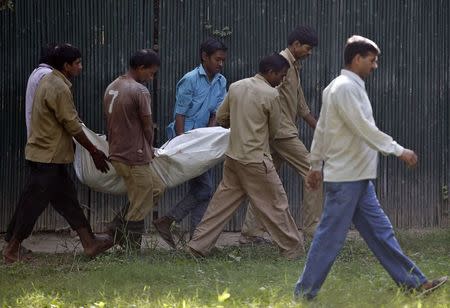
x: 197, y: 99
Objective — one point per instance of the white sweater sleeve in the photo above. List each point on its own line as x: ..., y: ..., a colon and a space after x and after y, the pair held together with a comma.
x: 317, y: 150
x: 351, y: 108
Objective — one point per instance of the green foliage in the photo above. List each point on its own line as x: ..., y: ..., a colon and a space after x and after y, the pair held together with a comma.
x: 230, y: 277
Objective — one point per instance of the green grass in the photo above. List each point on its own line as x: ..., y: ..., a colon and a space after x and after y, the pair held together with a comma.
x: 233, y: 277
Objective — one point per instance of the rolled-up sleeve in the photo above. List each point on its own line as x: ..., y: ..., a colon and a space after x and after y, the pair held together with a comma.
x: 303, y: 108
x: 223, y: 113
x: 65, y: 112
x: 184, y: 96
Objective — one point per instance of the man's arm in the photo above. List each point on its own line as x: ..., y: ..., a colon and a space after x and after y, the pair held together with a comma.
x: 147, y: 126
x: 350, y: 109
x: 184, y: 96
x: 212, y: 120
x: 223, y: 113
x: 98, y: 156
x: 66, y: 114
x: 179, y: 124
x: 274, y: 117
x: 311, y: 120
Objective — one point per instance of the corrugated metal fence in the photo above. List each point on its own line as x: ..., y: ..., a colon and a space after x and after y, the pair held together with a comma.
x: 409, y: 91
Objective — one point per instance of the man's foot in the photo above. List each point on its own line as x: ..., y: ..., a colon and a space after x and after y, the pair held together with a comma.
x: 253, y: 240
x: 13, y: 253
x: 432, y: 285
x: 99, y: 244
x: 163, y: 225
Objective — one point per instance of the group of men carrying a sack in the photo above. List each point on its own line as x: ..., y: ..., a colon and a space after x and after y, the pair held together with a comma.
x: 262, y: 112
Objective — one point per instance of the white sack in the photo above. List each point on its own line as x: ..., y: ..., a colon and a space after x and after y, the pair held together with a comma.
x: 88, y: 174
x: 191, y: 154
x: 177, y: 161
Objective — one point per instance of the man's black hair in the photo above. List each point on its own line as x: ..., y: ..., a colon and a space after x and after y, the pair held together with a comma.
x: 274, y: 62
x: 210, y: 46
x: 358, y: 45
x: 303, y: 34
x: 47, y: 52
x: 144, y: 57
x: 64, y: 53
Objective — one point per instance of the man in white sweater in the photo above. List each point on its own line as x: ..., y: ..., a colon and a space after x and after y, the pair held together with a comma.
x: 346, y: 145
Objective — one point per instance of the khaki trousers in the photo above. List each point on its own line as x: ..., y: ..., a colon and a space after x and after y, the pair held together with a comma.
x: 144, y: 188
x: 294, y: 152
x: 260, y: 182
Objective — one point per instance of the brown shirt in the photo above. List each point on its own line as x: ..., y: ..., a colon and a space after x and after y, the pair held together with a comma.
x: 54, y: 120
x: 251, y: 110
x: 293, y: 103
x: 125, y: 102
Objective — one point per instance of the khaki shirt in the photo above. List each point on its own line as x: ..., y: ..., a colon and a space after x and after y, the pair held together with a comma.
x: 54, y: 120
x: 293, y: 103
x: 251, y: 110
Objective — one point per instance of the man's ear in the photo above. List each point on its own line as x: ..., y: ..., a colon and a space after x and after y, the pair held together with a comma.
x: 204, y: 56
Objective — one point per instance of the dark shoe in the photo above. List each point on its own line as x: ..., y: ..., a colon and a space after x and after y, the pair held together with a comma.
x: 163, y: 225
x: 430, y: 286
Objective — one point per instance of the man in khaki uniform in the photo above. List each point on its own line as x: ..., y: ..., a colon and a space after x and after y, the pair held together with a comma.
x: 251, y: 110
x: 130, y: 137
x: 286, y: 145
x: 49, y: 152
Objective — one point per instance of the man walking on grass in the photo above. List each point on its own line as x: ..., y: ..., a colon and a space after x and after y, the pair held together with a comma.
x: 49, y: 151
x: 251, y: 110
x: 346, y: 145
x: 199, y: 94
x: 127, y: 107
x: 286, y: 146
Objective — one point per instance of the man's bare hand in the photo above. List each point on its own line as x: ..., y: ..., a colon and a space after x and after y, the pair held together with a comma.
x: 100, y: 160
x: 313, y: 179
x: 409, y: 157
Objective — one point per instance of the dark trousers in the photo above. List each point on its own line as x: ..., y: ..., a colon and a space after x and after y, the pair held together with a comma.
x: 47, y: 183
x: 196, y: 200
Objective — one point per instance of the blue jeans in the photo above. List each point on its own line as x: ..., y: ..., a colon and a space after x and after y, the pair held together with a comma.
x: 195, y: 202
x: 347, y: 202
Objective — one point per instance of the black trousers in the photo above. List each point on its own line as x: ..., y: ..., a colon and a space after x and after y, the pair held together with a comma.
x: 47, y: 183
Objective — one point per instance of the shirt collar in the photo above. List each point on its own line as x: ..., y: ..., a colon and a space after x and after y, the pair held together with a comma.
x: 354, y: 77
x: 201, y: 71
x: 260, y: 77
x: 61, y: 75
x: 45, y: 65
x: 290, y: 58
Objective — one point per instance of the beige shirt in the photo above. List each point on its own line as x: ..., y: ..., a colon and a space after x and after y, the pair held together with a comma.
x: 293, y: 103
x: 54, y: 120
x: 346, y: 137
x: 125, y: 102
x: 251, y: 110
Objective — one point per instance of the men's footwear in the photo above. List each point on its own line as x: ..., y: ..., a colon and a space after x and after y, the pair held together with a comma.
x: 253, y: 240
x: 430, y: 286
x: 163, y: 225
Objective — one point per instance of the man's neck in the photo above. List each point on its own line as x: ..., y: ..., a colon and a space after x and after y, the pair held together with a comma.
x: 291, y: 49
x: 353, y: 70
x: 209, y: 74
x: 132, y: 74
